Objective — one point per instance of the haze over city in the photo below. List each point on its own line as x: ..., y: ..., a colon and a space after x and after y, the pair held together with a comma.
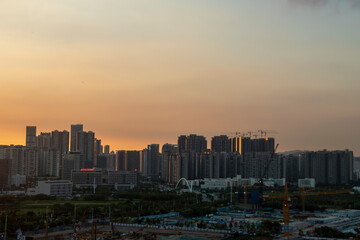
x: 142, y: 72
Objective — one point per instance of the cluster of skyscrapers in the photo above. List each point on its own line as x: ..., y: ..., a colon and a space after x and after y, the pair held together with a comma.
x: 60, y: 153
x: 48, y: 153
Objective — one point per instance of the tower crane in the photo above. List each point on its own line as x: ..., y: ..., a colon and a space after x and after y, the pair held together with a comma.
x: 263, y: 133
x: 236, y: 133
x: 286, y: 203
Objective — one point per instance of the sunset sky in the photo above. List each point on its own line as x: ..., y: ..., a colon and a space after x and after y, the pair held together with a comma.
x: 141, y: 72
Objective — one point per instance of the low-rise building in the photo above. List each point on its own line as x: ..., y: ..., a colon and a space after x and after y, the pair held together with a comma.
x: 274, y: 182
x: 214, y: 184
x: 306, y: 183
x: 101, y: 177
x: 18, y: 180
x: 56, y: 188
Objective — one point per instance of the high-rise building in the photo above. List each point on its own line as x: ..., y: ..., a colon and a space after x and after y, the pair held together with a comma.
x: 120, y: 160
x: 196, y: 143
x: 182, y: 143
x: 5, y: 171
x: 207, y: 166
x: 60, y: 141
x: 185, y: 166
x: 133, y: 161
x: 102, y: 161
x: 170, y: 163
x: 245, y: 145
x: 75, y: 128
x: 261, y: 165
x: 111, y: 161
x: 263, y: 145
x: 98, y: 150
x: 71, y: 161
x: 17, y: 156
x: 107, y: 149
x: 327, y: 167
x: 220, y: 144
x: 290, y: 166
x: 31, y: 136
x: 98, y: 147
x: 144, y: 169
x: 128, y: 160
x: 235, y: 145
x: 85, y: 145
x: 49, y: 162
x: 43, y: 141
x: 32, y: 162
x: 153, y: 161
x: 23, y: 160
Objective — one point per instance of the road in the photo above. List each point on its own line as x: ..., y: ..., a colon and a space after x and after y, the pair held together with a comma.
x: 140, y: 231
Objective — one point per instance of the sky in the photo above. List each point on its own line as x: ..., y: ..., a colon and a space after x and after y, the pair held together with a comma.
x: 140, y: 72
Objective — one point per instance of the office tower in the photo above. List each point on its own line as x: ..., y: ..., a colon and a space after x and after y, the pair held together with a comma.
x: 107, y: 149
x: 75, y: 128
x: 153, y: 161
x: 85, y: 145
x: 196, y: 143
x: 31, y: 136
x: 220, y: 144
x: 60, y: 141
x: 43, y: 141
x: 182, y: 143
x: 133, y: 161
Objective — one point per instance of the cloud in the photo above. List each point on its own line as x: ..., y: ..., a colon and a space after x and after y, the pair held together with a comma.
x: 355, y: 4
x: 319, y: 4
x: 309, y: 3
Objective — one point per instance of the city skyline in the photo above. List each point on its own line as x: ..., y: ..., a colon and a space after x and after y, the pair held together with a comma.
x: 140, y: 72
x: 259, y: 134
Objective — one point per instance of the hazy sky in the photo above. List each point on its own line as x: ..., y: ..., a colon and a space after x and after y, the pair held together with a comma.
x: 141, y: 72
